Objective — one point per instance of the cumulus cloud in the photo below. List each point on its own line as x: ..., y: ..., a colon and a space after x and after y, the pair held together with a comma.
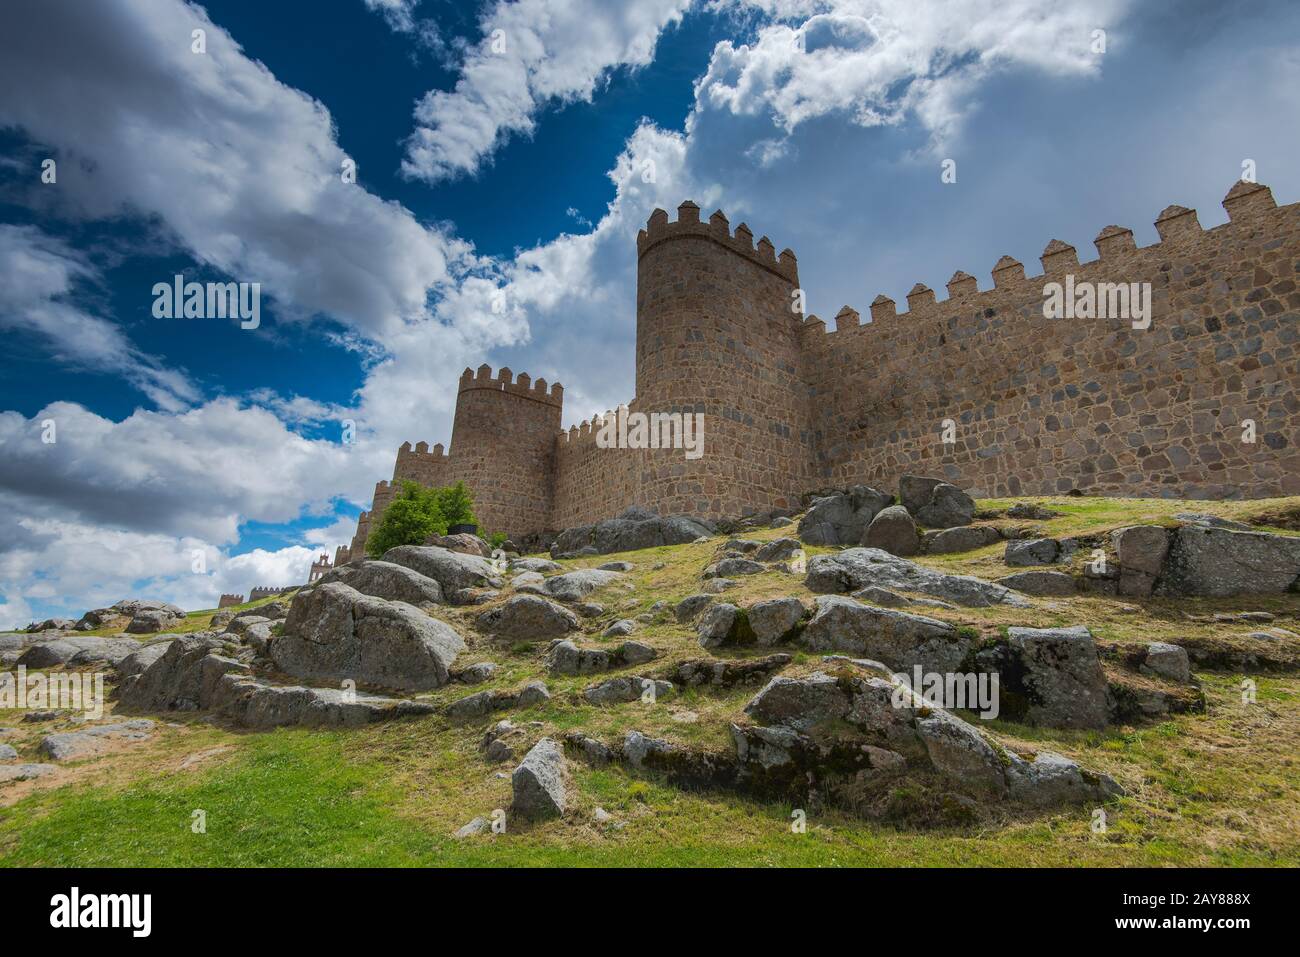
x: 881, y: 61
x: 38, y: 273
x: 534, y: 53
x: 244, y: 172
x: 65, y: 568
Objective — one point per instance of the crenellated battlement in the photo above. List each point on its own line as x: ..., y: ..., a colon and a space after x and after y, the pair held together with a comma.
x: 1179, y: 230
x: 659, y: 230
x: 1039, y: 405
x: 506, y: 381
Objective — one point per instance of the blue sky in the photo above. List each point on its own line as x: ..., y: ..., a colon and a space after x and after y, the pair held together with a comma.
x: 502, y: 151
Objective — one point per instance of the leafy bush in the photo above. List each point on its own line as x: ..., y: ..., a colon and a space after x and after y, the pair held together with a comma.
x: 418, y: 513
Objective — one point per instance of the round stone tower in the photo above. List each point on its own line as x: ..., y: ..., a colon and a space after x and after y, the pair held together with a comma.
x: 502, y: 448
x: 717, y: 333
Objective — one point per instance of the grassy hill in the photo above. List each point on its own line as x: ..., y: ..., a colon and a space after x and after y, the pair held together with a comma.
x: 1220, y: 787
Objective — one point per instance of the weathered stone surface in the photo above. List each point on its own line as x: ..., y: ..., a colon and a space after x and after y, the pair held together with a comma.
x: 1032, y: 551
x: 149, y: 620
x: 258, y: 705
x: 387, y: 580
x: 963, y: 538
x: 527, y: 618
x: 1051, y: 779
x: 775, y: 620
x: 141, y: 658
x: 893, y: 531
x: 534, y: 692
x: 914, y: 491
x: 897, y: 638
x: 728, y: 672
x: 173, y: 682
x: 1062, y: 676
x: 881, y: 596
x: 729, y: 567
x: 716, y: 624
x: 577, y: 585
x: 800, y: 703
x: 544, y: 565
x: 7, y: 752
x: 947, y: 507
x: 334, y: 632
x: 856, y: 568
x: 454, y: 572
x: 461, y: 542
x: 778, y: 550
x: 480, y: 704
x: 1056, y: 584
x: 843, y: 517
x: 959, y: 751
x: 635, y: 529
x: 540, y: 782
x: 616, y: 567
x: 24, y: 772
x: 476, y: 673
x: 73, y: 745
x: 1212, y: 521
x: 1141, y: 550
x: 76, y: 651
x: 1217, y: 562
x: 624, y: 689
x: 619, y: 629
x: 1167, y: 661
x: 241, y: 624
x: 566, y: 658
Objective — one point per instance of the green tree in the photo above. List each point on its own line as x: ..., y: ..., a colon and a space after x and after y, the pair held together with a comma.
x: 457, y: 505
x: 418, y: 513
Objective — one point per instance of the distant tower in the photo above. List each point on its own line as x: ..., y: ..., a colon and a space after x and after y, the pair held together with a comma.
x: 319, y: 567
x: 503, y: 446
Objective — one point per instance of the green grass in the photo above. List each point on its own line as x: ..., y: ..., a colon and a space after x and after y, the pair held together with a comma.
x: 1219, y: 789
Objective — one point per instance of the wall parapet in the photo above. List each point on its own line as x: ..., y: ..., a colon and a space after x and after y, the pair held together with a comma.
x: 659, y: 230
x: 505, y: 381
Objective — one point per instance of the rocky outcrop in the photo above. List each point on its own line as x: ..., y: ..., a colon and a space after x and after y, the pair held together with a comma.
x: 462, y: 542
x: 776, y: 620
x: 898, y: 639
x: 842, y: 518
x: 626, y: 688
x: 1042, y: 583
x: 75, y: 651
x: 75, y: 745
x: 1032, y: 551
x: 945, y: 506
x: 725, y: 673
x: 1168, y: 661
x: 636, y: 528
x: 527, y: 618
x: 857, y: 568
x: 689, y: 608
x: 540, y: 783
x: 387, y: 580
x: 963, y: 538
x: 1217, y: 562
x: 1048, y: 676
x: 456, y: 573
x: 334, y: 632
x: 566, y: 658
x: 893, y: 737
x: 577, y: 585
x: 893, y: 530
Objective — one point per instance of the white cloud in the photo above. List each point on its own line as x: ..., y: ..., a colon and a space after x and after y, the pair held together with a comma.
x: 37, y: 277
x: 244, y: 172
x: 534, y: 53
x: 881, y: 61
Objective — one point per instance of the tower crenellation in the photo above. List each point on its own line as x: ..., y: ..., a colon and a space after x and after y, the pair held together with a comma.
x: 1041, y: 405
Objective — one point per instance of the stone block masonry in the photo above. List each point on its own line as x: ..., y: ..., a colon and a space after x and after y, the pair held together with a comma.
x: 980, y: 387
